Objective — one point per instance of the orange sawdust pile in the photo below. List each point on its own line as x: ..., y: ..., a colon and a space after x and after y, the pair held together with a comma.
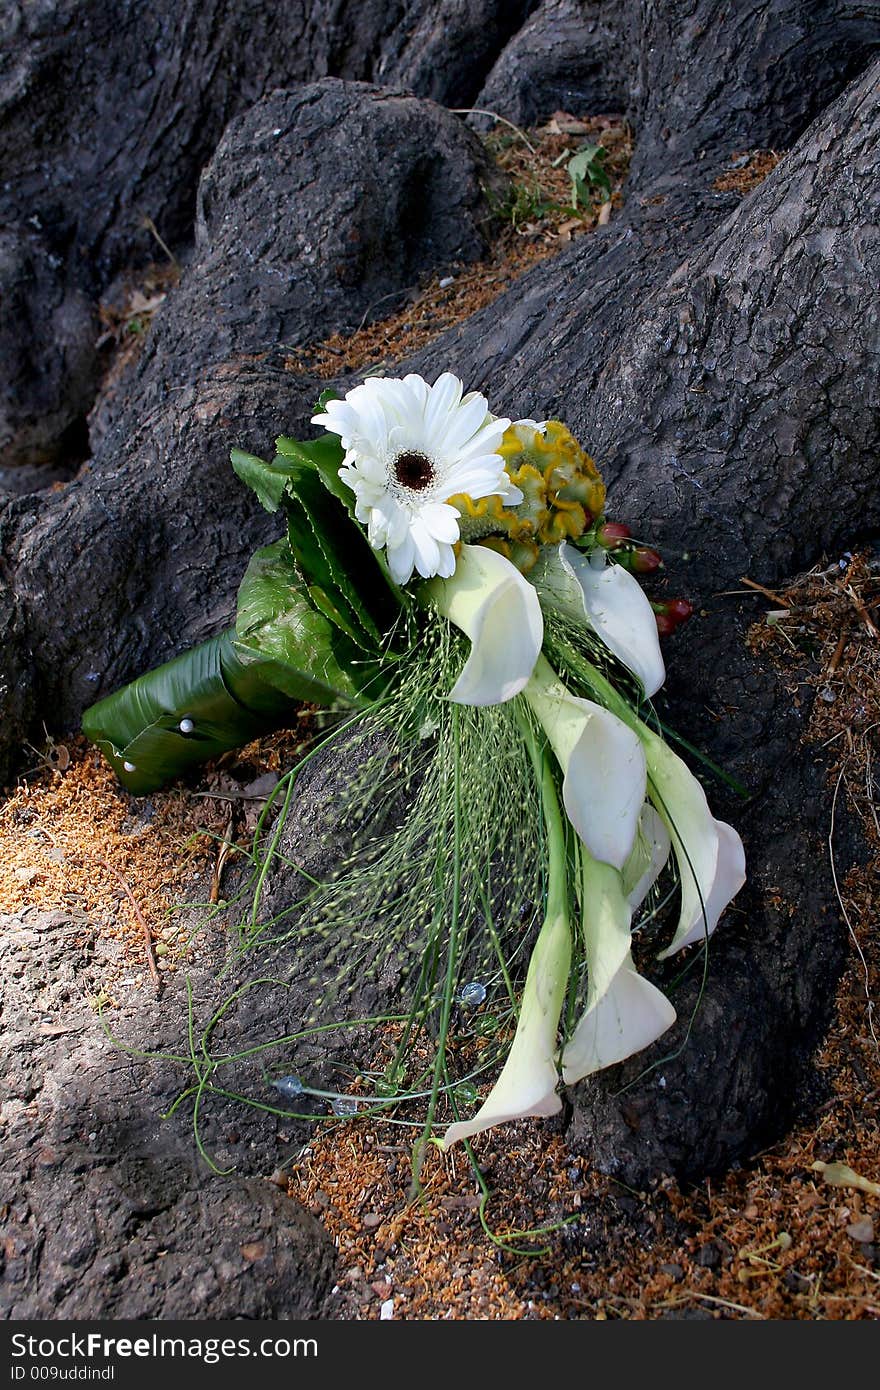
x: 535, y: 222
x: 71, y: 840
x: 747, y: 169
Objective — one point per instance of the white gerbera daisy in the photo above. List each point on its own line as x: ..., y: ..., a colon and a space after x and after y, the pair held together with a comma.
x: 410, y: 447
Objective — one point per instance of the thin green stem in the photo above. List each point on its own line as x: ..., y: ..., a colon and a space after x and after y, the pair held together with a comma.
x: 452, y: 956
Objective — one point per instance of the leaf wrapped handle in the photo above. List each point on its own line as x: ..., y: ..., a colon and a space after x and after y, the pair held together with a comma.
x: 220, y: 695
x: 313, y: 611
x: 230, y: 689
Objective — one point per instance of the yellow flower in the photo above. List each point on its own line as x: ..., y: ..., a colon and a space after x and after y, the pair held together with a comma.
x: 562, y: 494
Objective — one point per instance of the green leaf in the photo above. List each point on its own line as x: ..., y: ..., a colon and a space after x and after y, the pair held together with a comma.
x: 325, y: 456
x: 331, y: 394
x: 587, y: 168
x: 326, y: 449
x: 276, y: 620
x: 266, y: 479
x: 335, y: 557
x: 225, y: 692
x: 140, y: 724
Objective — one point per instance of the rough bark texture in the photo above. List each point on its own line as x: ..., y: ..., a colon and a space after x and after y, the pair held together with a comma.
x: 48, y: 330
x: 318, y: 204
x: 108, y: 114
x: 717, y: 354
x: 570, y: 55
x: 106, y: 1210
x: 319, y: 207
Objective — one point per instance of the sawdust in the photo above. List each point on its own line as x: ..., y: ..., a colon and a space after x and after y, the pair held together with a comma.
x: 747, y: 169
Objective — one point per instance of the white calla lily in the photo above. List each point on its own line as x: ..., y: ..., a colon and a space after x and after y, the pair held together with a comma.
x: 649, y: 854
x: 603, y: 763
x: 500, y: 612
x: 624, y: 1011
x: 610, y: 600
x: 529, y: 1077
x: 528, y: 1080
x: 709, y: 853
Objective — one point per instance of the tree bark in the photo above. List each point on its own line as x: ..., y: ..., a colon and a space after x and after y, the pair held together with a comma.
x: 570, y: 55
x: 109, y: 111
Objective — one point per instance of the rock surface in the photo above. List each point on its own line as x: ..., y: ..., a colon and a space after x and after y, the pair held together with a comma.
x: 109, y: 1212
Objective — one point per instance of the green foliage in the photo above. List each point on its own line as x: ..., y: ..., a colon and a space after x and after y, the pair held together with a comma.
x: 523, y: 202
x: 277, y: 621
x: 588, y: 175
x: 315, y: 614
x: 267, y: 481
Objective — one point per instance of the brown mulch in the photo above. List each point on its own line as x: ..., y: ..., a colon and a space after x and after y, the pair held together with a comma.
x: 746, y: 170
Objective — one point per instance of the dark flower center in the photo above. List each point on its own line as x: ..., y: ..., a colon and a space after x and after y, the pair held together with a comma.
x: 413, y: 471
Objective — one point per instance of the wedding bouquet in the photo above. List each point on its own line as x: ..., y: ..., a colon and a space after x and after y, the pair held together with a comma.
x: 450, y: 579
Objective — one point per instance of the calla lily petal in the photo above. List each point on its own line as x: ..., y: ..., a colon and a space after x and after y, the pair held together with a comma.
x: 650, y: 852
x: 500, y: 612
x: 710, y: 855
x: 611, y: 601
x: 604, y: 782
x: 624, y: 1012
x: 728, y: 879
x: 527, y: 1084
x: 632, y: 1014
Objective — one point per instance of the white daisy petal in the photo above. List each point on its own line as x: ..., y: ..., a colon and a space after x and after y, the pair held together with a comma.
x: 418, y: 388
x: 486, y: 440
x: 468, y: 419
x: 473, y: 480
x: 446, y: 567
x: 409, y: 448
x: 401, y: 560
x: 442, y: 521
x: 444, y: 398
x: 427, y: 550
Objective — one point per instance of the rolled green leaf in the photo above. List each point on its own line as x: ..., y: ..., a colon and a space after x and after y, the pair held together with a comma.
x: 265, y: 479
x: 180, y: 715
x: 230, y: 689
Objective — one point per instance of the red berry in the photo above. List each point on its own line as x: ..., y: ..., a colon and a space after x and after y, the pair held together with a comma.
x: 679, y: 609
x: 665, y: 625
x: 645, y: 560
x: 611, y: 534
